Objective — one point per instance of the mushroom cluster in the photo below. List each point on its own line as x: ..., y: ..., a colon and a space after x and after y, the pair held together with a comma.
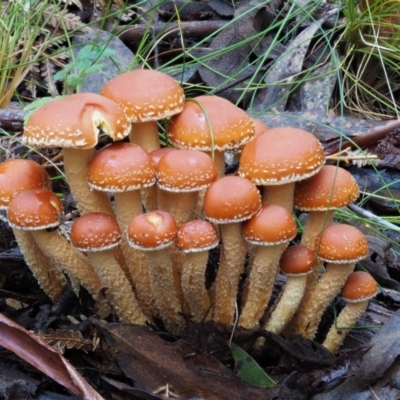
x: 149, y: 216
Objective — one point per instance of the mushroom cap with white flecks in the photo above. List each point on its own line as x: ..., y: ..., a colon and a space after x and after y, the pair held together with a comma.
x: 195, y: 236
x: 185, y: 171
x: 17, y: 175
x: 332, y: 187
x: 210, y: 123
x: 341, y: 244
x: 281, y: 155
x: 34, y: 209
x: 95, y: 231
x: 75, y: 121
x: 154, y: 230
x: 231, y: 199
x: 297, y: 260
x: 359, y: 286
x: 121, y: 167
x: 145, y: 95
x: 271, y: 225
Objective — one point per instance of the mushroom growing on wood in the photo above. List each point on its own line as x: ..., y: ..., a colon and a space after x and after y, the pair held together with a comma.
x: 146, y: 96
x: 75, y: 123
x: 341, y: 246
x: 359, y: 288
x: 278, y: 158
x: 154, y: 232
x: 16, y: 176
x: 296, y: 262
x: 229, y: 201
x: 96, y: 234
x: 269, y: 231
x: 195, y: 239
x: 124, y: 169
x: 37, y: 211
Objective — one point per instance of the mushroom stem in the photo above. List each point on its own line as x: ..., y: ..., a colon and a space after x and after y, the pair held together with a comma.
x: 348, y: 317
x: 162, y: 283
x: 193, y: 284
x: 322, y: 294
x: 281, y: 195
x: 258, y: 289
x: 73, y: 263
x: 50, y: 278
x: 316, y: 222
x: 112, y: 277
x: 75, y: 166
x: 219, y: 160
x: 145, y: 134
x: 230, y: 267
x: 128, y: 205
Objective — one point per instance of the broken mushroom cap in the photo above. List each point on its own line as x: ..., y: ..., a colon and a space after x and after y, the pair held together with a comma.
x: 359, y: 288
x: 95, y: 232
x: 151, y: 231
x: 35, y: 209
x: 18, y: 175
x: 145, y: 95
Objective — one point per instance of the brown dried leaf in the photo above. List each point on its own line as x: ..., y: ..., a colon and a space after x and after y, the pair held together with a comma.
x: 388, y: 153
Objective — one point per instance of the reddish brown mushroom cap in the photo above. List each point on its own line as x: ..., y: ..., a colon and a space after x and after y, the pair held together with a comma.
x: 152, y: 231
x: 271, y: 225
x: 95, y: 232
x: 157, y: 154
x: 145, y: 95
x: 34, y: 209
x: 231, y: 126
x: 332, y: 187
x: 185, y: 171
x: 359, y: 286
x: 75, y: 121
x: 297, y: 260
x: 121, y: 167
x: 231, y: 199
x: 196, y: 235
x: 340, y: 244
x: 281, y: 155
x: 18, y: 175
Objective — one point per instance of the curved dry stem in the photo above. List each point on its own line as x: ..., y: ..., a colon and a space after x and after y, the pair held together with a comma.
x: 112, y: 277
x: 50, y: 278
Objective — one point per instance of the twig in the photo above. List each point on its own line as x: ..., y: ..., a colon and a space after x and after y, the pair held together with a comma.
x: 368, y: 214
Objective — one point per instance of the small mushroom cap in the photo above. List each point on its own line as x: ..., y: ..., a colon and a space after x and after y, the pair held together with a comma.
x: 75, y: 121
x: 297, y: 260
x: 231, y: 126
x: 231, y: 199
x: 145, y: 95
x: 95, y: 231
x: 359, y: 286
x: 34, y: 209
x: 195, y: 236
x: 341, y: 244
x: 332, y: 187
x: 154, y: 230
x: 121, y: 167
x: 281, y: 155
x: 185, y: 171
x: 18, y: 175
x: 271, y: 225
x: 157, y: 154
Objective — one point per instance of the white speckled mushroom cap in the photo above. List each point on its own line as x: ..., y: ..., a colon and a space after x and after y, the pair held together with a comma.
x: 34, y: 209
x: 185, y: 171
x: 195, y: 236
x: 75, y: 121
x: 145, y: 95
x: 281, y: 155
x: 359, y: 286
x: 332, y: 187
x: 121, y: 167
x: 18, y: 175
x: 271, y: 225
x: 231, y: 126
x: 94, y: 232
x: 297, y: 260
x: 341, y: 244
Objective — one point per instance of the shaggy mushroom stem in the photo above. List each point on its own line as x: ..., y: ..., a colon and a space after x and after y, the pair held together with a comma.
x: 145, y: 134
x: 279, y: 194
